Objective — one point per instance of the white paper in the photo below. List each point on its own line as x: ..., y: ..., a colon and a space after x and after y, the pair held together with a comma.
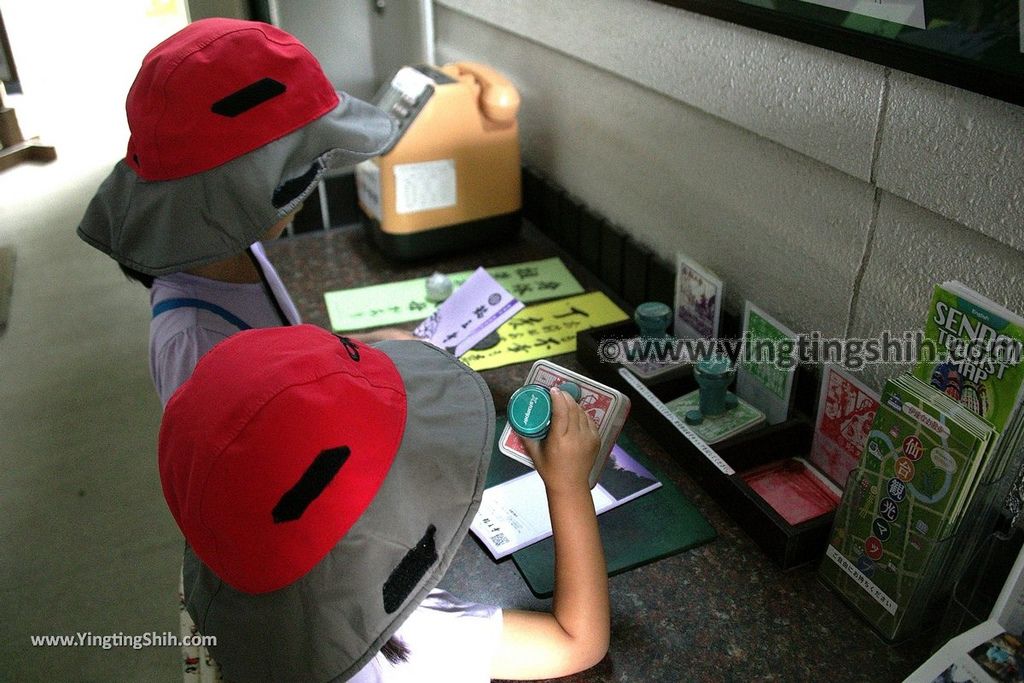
x: 477, y: 308
x: 424, y: 186
x: 1009, y: 607
x: 953, y: 662
x: 514, y: 514
x: 368, y: 187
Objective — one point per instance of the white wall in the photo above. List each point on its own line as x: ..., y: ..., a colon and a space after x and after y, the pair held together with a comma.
x: 830, y: 191
x: 359, y: 46
x: 204, y: 9
x: 337, y: 32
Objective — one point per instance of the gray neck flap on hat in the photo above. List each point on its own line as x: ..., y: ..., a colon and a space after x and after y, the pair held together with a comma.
x: 327, y: 625
x: 167, y: 226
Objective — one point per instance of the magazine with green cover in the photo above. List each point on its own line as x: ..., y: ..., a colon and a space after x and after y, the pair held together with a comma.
x: 971, y: 351
x: 912, y: 485
x: 978, y: 353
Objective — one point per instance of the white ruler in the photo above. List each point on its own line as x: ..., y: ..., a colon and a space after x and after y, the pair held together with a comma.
x: 690, y: 435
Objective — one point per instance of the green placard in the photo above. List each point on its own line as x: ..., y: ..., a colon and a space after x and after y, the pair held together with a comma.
x: 766, y: 367
x: 764, y: 375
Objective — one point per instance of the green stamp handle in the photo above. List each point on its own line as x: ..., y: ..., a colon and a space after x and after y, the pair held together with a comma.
x: 529, y: 408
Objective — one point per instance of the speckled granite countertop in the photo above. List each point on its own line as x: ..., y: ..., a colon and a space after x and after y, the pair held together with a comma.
x: 720, y: 612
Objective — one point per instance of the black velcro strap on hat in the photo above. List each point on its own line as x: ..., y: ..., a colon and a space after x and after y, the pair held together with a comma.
x: 248, y: 97
x: 409, y: 571
x: 310, y: 485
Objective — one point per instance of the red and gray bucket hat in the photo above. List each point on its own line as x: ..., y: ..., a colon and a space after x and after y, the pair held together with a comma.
x: 323, y: 487
x: 233, y: 123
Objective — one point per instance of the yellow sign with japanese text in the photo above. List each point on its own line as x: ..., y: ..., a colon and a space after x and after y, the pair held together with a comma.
x: 544, y: 330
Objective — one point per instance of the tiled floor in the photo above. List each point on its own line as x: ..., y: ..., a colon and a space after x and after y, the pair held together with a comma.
x: 86, y: 543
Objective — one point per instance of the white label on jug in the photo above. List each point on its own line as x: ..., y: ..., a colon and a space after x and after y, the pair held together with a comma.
x: 424, y: 186
x: 411, y: 82
x: 368, y: 187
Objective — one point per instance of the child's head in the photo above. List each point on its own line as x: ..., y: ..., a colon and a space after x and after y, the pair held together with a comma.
x: 323, y: 487
x: 233, y: 123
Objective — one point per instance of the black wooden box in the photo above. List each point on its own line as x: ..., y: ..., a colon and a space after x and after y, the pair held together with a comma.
x: 788, y: 545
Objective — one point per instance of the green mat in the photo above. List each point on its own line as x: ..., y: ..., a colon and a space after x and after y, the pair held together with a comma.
x: 6, y: 284
x: 656, y: 525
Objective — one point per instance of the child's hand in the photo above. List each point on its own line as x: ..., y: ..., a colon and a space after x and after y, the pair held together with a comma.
x: 565, y: 457
x: 385, y: 334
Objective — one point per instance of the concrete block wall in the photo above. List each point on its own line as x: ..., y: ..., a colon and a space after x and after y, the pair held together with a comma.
x: 830, y: 191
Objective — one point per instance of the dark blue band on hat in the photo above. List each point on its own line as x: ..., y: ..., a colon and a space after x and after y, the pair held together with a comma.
x: 171, y: 304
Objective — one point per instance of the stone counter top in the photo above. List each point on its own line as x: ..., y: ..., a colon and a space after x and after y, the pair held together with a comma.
x: 719, y: 612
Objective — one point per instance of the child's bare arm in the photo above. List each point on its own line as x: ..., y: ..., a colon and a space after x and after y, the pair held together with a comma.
x: 384, y: 334
x: 574, y: 636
